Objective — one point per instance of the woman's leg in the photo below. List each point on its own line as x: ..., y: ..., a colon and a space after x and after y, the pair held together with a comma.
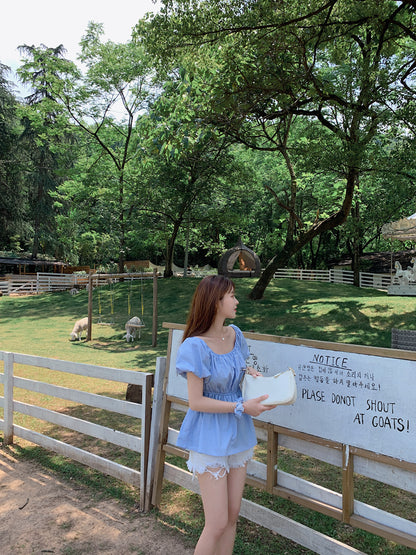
x: 221, y: 498
x: 214, y: 493
x: 235, y: 486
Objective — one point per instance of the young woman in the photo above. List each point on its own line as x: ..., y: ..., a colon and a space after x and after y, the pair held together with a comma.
x: 217, y: 430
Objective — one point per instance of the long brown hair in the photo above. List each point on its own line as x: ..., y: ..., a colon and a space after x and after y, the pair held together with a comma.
x: 204, y: 304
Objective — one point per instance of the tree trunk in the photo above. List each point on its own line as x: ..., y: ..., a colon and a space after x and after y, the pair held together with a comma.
x: 122, y: 225
x: 356, y: 244
x: 185, y: 262
x: 279, y: 260
x: 292, y: 247
x: 170, y: 249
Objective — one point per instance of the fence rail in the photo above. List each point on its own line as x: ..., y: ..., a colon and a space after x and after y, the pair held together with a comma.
x: 142, y: 412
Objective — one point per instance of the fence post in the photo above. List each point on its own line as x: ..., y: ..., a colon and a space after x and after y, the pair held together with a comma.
x: 90, y: 288
x: 347, y: 484
x: 8, y: 398
x: 145, y: 431
x: 160, y: 373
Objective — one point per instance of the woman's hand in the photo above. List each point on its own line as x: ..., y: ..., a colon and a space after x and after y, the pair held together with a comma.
x: 254, y: 407
x: 250, y: 370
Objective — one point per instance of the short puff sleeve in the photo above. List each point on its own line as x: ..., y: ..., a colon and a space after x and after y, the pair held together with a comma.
x: 193, y: 357
x: 242, y: 343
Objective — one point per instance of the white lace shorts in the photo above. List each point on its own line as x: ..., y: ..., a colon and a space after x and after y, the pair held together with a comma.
x: 217, y: 466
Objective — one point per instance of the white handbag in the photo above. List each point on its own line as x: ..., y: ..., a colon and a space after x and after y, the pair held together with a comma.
x: 281, y: 388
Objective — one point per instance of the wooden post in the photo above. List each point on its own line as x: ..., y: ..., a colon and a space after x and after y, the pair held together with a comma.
x: 8, y: 399
x: 145, y: 431
x: 347, y: 484
x: 154, y: 428
x: 161, y: 454
x: 272, y: 445
x: 89, y: 331
x: 154, y: 324
x: 163, y: 431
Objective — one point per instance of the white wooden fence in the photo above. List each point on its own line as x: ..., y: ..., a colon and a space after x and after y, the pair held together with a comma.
x: 142, y: 412
x: 346, y: 277
x: 338, y: 276
x: 32, y: 284
x: 44, y: 282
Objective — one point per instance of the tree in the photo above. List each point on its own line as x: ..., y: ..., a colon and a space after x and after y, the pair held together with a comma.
x: 191, y: 162
x: 105, y: 104
x: 341, y: 64
x: 12, y: 194
x: 44, y: 132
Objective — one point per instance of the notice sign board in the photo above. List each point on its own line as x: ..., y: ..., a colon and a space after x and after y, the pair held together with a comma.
x: 357, y: 399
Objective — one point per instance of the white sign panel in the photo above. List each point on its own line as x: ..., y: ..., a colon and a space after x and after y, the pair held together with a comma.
x: 361, y: 400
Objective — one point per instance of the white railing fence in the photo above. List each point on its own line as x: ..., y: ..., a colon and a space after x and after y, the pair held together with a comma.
x: 44, y: 282
x: 4, y: 287
x: 134, y: 442
x: 346, y: 277
x: 299, y: 273
x: 376, y: 281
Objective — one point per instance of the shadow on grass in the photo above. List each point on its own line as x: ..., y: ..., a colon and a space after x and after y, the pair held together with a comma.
x: 304, y: 309
x: 327, y: 312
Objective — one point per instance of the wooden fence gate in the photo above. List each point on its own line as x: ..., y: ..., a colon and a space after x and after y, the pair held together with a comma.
x: 137, y: 443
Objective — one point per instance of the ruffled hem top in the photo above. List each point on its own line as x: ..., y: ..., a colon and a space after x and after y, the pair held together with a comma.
x: 217, y: 434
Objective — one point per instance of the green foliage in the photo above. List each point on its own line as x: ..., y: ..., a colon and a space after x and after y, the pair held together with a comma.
x: 12, y: 190
x: 117, y: 77
x: 334, y: 67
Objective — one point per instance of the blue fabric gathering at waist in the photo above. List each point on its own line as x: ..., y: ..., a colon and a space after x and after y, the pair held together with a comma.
x: 229, y: 396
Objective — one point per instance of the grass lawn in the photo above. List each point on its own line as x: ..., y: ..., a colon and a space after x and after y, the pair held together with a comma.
x: 41, y: 325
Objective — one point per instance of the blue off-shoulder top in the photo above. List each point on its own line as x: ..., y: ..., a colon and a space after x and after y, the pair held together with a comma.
x: 217, y: 434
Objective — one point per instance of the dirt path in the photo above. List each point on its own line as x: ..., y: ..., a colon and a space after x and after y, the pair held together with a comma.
x: 39, y: 513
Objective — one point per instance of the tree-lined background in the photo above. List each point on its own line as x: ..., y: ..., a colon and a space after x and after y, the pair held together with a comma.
x: 288, y: 124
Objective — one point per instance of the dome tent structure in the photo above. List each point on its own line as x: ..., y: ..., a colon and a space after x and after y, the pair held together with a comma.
x: 248, y: 262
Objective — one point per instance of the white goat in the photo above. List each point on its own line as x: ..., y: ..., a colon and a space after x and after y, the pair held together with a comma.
x: 132, y: 326
x: 402, y: 276
x: 79, y: 327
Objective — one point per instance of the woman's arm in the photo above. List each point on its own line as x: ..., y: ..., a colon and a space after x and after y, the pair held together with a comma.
x: 198, y: 402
